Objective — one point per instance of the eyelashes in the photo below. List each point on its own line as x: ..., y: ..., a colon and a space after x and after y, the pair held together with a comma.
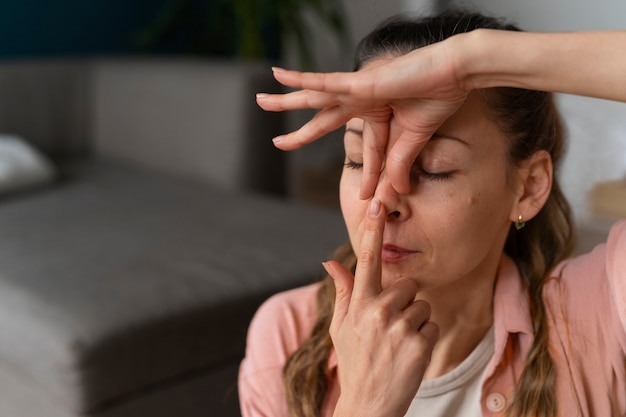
x: 353, y: 165
x: 434, y: 176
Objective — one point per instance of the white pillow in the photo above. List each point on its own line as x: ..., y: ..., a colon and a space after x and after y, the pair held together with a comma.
x: 22, y: 166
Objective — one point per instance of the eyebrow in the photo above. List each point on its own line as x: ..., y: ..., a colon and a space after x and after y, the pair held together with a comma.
x: 446, y: 136
x: 436, y: 136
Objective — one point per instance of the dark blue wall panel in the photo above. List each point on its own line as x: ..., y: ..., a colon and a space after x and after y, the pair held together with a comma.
x: 73, y: 27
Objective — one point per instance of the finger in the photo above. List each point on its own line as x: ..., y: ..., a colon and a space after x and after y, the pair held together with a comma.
x: 375, y: 136
x: 368, y: 268
x: 400, y: 296
x: 344, y: 281
x: 401, y: 157
x: 417, y: 313
x: 430, y: 331
x: 324, y: 122
x: 337, y: 82
x: 296, y: 100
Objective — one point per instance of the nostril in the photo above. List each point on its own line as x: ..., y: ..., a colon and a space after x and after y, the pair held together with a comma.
x: 394, y: 214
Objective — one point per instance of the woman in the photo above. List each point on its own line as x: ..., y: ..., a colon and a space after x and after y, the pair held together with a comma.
x: 462, y: 302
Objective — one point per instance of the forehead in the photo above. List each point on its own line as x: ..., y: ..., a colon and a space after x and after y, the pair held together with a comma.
x: 471, y: 123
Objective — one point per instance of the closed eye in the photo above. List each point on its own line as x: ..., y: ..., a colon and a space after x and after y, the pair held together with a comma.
x: 353, y: 165
x: 435, y: 176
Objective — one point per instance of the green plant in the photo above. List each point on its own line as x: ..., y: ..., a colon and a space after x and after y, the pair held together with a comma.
x: 246, y: 29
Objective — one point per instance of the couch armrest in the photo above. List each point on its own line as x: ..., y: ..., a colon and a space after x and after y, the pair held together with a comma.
x: 193, y: 118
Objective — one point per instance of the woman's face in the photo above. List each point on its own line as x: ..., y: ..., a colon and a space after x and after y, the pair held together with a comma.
x: 452, y: 226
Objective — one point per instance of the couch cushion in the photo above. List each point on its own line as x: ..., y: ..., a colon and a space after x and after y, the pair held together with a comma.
x: 120, y: 280
x: 22, y: 166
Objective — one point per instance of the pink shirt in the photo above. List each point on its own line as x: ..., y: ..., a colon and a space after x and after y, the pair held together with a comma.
x: 586, y: 306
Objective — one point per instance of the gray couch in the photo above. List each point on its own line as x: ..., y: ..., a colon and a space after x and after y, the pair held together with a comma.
x: 126, y: 286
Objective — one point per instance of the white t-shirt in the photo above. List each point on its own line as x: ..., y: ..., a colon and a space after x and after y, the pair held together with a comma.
x: 458, y: 392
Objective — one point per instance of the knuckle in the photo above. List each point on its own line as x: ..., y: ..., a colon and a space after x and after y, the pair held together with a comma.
x: 366, y: 257
x: 403, y: 326
x: 381, y: 315
x: 376, y: 149
x: 316, y: 128
x: 423, y: 346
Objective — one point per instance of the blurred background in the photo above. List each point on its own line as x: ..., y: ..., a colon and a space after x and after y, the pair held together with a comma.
x: 304, y: 34
x: 145, y: 214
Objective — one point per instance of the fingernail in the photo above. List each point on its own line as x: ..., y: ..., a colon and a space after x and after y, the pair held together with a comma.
x: 261, y: 95
x: 327, y: 266
x: 277, y: 69
x: 374, y: 208
x: 278, y: 140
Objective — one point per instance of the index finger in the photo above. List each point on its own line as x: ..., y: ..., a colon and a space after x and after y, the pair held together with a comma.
x: 375, y: 136
x: 296, y: 100
x: 331, y: 82
x: 367, y: 277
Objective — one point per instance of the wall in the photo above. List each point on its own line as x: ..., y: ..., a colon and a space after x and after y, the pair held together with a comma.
x: 36, y: 28
x: 597, y: 128
x: 556, y: 15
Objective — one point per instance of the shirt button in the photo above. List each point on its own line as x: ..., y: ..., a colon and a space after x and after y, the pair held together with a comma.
x: 496, y: 402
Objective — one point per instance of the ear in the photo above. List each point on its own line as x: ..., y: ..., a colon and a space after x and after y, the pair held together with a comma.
x: 534, y: 183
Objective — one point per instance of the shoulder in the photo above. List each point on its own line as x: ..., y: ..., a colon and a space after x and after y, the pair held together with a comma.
x: 616, y: 267
x: 606, y: 259
x: 586, y: 305
x: 281, y: 324
x: 278, y: 328
x: 616, y: 250
x: 591, y: 288
x: 298, y: 300
x: 293, y: 311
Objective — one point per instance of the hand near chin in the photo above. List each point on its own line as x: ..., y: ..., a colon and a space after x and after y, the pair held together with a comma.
x: 382, y: 337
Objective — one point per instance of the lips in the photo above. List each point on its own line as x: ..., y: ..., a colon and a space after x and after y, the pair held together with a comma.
x: 395, y: 254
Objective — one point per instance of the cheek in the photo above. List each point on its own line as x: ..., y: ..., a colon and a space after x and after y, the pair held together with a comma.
x: 352, y: 207
x: 482, y: 212
x: 474, y: 212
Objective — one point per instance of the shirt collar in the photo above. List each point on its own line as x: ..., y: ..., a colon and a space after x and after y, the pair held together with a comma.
x: 511, y: 304
x: 511, y: 309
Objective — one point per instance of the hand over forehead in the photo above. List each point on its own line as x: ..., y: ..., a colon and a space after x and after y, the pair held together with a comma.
x: 414, y: 95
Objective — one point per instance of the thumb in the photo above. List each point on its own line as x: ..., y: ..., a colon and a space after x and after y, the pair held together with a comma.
x: 344, y: 283
x: 401, y: 158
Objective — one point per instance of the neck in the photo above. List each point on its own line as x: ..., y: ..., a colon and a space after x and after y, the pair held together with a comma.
x: 464, y: 315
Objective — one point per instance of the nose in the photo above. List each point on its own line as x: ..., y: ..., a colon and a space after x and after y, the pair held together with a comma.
x: 395, y: 203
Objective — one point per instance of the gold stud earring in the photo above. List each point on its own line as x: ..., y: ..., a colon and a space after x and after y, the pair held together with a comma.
x: 520, y: 223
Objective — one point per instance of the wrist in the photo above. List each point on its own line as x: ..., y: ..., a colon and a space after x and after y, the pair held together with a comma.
x: 472, y: 55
